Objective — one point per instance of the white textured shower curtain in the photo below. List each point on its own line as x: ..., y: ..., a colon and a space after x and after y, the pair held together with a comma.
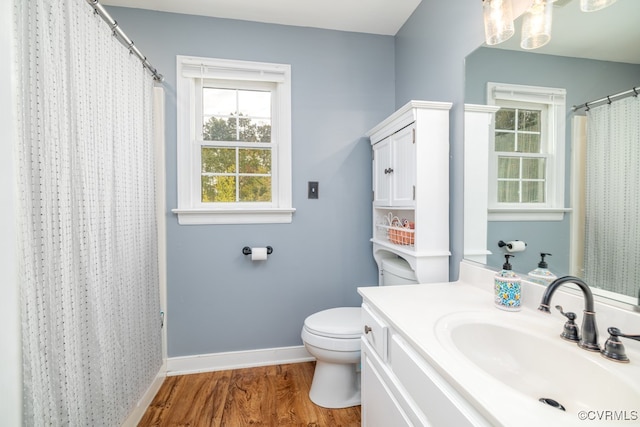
x: 87, y: 222
x: 612, y: 214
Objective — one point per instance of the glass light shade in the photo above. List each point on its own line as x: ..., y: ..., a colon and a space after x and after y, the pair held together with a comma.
x: 593, y: 5
x: 536, y: 25
x: 498, y: 21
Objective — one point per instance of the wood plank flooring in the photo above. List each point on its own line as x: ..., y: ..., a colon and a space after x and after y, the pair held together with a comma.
x: 264, y: 396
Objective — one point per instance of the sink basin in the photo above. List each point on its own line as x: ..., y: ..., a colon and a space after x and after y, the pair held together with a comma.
x: 531, y: 358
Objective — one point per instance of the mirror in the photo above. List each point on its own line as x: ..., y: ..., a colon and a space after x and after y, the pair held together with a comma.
x: 591, y: 55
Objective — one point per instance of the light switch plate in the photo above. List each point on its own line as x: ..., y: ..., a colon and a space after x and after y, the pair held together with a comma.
x: 313, y: 190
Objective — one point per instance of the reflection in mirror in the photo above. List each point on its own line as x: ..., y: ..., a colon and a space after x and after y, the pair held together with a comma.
x: 585, y: 77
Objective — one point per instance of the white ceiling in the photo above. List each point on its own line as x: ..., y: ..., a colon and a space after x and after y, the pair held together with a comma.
x: 363, y: 16
x: 611, y: 34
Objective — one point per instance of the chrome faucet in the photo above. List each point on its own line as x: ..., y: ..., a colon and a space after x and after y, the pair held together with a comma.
x: 589, y: 340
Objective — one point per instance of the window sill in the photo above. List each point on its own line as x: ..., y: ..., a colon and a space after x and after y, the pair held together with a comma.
x: 234, y: 216
x: 543, y: 214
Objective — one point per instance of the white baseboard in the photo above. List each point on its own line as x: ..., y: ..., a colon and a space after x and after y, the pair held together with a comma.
x: 141, y: 407
x: 236, y: 359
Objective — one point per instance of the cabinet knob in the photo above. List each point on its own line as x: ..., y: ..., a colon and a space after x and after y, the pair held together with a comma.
x: 388, y: 170
x: 367, y: 329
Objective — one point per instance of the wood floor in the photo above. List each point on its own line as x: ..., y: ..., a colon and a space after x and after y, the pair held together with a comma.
x: 264, y: 396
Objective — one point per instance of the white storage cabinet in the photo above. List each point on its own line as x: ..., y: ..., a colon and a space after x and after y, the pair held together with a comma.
x: 411, y: 189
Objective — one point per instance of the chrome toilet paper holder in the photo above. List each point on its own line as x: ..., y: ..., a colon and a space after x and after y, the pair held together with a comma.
x: 247, y: 250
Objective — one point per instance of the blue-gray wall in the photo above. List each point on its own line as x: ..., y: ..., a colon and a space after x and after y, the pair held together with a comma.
x: 584, y: 80
x: 342, y: 85
x: 430, y: 52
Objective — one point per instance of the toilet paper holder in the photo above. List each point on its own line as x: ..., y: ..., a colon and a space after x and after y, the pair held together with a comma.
x: 509, y: 245
x: 247, y: 250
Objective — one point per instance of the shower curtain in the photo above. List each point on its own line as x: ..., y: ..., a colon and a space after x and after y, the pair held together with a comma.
x: 87, y: 220
x: 612, y: 217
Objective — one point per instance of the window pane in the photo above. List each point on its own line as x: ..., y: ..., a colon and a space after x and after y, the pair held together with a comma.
x: 506, y: 119
x: 218, y: 102
x: 508, y: 167
x: 218, y: 160
x: 254, y: 130
x: 533, y: 168
x: 255, y: 161
x: 533, y: 192
x: 505, y: 142
x: 254, y: 103
x: 218, y: 189
x: 528, y: 142
x: 219, y: 129
x: 255, y: 188
x: 529, y: 120
x: 236, y: 115
x: 508, y: 192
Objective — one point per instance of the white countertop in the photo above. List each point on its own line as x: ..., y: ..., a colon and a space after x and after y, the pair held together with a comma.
x: 420, y: 312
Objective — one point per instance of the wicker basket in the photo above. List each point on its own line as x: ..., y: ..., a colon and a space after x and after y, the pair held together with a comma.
x: 402, y: 235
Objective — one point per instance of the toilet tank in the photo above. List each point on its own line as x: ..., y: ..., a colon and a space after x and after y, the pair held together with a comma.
x: 397, y: 271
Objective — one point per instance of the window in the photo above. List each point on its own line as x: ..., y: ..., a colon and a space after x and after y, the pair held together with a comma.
x: 527, y: 152
x: 234, y: 142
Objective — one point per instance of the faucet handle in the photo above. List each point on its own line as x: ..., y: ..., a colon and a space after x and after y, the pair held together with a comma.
x: 613, y: 347
x: 570, y: 332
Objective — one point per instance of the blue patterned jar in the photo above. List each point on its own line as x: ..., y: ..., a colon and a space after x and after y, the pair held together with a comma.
x: 507, y: 288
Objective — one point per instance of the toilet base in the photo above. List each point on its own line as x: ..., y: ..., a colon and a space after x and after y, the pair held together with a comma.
x: 335, y: 385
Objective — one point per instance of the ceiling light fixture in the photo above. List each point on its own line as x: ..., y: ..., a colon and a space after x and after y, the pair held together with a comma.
x: 593, y: 5
x: 498, y: 21
x: 536, y: 25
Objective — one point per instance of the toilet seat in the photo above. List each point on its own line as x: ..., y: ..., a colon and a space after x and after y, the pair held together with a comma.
x: 336, y: 329
x: 336, y: 323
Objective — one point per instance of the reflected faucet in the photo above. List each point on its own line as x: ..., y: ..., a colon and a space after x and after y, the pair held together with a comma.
x: 589, y: 340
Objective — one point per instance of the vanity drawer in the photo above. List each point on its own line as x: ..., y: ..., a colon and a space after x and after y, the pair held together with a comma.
x: 441, y: 403
x: 375, y: 332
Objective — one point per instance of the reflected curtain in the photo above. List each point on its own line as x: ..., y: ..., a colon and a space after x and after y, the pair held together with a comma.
x: 87, y: 230
x: 612, y: 217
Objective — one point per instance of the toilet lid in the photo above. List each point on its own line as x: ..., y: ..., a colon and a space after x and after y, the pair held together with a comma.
x: 342, y: 322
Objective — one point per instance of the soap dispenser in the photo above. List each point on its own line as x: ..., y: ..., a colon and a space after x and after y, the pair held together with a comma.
x: 542, y: 275
x: 508, y: 290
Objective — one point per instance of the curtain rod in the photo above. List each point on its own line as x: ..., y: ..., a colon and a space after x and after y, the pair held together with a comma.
x: 122, y: 37
x: 634, y: 91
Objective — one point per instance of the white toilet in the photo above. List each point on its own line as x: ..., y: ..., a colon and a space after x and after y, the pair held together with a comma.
x: 333, y: 337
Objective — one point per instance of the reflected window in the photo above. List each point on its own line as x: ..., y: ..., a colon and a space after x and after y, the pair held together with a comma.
x: 526, y: 168
x: 521, y: 157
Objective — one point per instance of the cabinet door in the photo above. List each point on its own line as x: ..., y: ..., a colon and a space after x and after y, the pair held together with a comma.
x: 381, y: 173
x: 379, y: 407
x: 403, y: 177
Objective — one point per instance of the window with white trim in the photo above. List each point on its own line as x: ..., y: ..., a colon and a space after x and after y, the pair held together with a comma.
x: 233, y: 142
x: 527, y: 153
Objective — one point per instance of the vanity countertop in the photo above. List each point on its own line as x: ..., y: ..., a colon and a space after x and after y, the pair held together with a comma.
x: 424, y: 315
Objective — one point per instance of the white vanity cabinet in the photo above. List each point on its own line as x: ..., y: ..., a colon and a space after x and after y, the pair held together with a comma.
x: 411, y: 185
x: 400, y: 388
